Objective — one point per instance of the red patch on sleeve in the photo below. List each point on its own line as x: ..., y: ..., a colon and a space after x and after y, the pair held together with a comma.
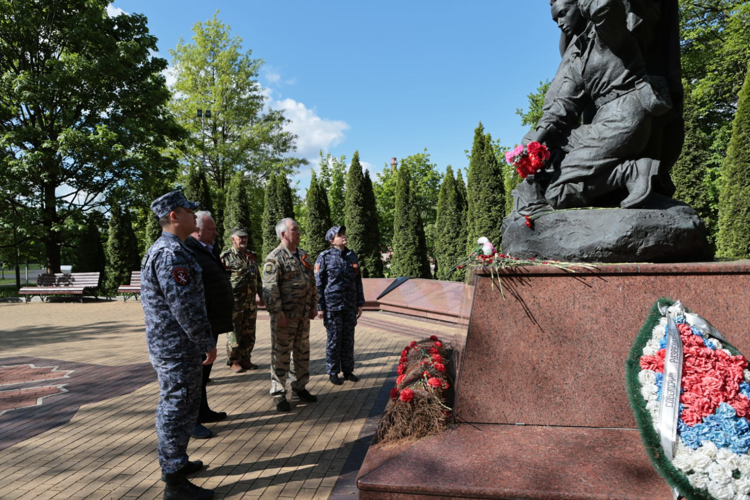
x: 181, y: 275
x: 317, y: 268
x: 356, y: 269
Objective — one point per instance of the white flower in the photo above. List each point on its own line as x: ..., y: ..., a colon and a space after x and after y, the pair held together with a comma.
x: 722, y: 491
x: 699, y: 461
x: 746, y: 373
x: 483, y: 240
x: 744, y: 465
x: 698, y: 480
x: 743, y: 485
x: 658, y: 332
x: 728, y: 459
x: 646, y: 377
x: 682, y: 462
x: 710, y: 449
x: 719, y: 474
x: 649, y: 391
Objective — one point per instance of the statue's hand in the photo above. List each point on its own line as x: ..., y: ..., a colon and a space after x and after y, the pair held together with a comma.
x: 538, y: 135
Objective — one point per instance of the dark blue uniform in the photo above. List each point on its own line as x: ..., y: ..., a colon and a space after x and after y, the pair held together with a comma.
x: 178, y: 333
x: 339, y: 282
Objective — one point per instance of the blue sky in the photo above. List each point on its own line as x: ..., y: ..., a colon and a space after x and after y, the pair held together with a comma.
x: 386, y: 78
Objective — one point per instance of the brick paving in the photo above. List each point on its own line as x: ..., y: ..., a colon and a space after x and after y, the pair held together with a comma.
x: 93, y: 436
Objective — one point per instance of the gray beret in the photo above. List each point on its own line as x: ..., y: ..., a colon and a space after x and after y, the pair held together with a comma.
x: 168, y: 202
x: 239, y: 231
x: 331, y: 234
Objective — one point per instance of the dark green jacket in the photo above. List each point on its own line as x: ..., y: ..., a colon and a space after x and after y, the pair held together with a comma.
x: 219, y: 296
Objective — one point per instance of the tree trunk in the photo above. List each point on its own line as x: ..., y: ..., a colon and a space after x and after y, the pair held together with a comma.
x: 51, y: 238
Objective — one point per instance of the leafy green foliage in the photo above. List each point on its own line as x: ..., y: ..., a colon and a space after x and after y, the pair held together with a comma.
x: 123, y: 256
x: 426, y: 180
x: 690, y: 172
x: 278, y: 205
x: 450, y: 248
x: 197, y: 189
x: 354, y: 211
x: 370, y: 258
x: 409, y: 248
x: 82, y: 112
x: 734, y: 199
x: 486, y: 191
x: 89, y: 252
x: 536, y: 106
x: 333, y: 180
x: 237, y: 211
x: 318, y: 218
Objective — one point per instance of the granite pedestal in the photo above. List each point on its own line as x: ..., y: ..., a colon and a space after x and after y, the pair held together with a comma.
x: 540, y: 397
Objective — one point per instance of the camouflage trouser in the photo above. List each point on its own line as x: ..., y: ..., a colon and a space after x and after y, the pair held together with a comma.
x: 241, y: 340
x: 177, y: 412
x: 291, y: 343
x: 340, y: 346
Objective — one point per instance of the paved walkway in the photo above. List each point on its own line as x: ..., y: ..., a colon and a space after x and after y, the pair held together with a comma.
x: 77, y: 402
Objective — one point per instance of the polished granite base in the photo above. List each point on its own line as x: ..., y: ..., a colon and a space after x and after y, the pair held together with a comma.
x: 540, y: 399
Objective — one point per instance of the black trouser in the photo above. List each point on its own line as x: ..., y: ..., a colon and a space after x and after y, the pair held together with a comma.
x: 204, y: 409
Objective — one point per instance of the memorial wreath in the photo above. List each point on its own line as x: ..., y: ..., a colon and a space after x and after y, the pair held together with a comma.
x: 689, y: 390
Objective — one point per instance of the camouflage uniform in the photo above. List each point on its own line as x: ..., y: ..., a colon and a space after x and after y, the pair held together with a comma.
x: 289, y: 290
x: 178, y: 333
x: 340, y: 293
x: 246, y: 282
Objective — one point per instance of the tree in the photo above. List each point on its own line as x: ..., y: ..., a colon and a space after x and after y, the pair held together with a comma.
x: 486, y: 191
x: 89, y: 253
x: 690, y: 173
x: 409, y: 248
x: 333, y: 181
x: 354, y: 208
x: 426, y: 179
x: 370, y: 259
x: 122, y: 248
x: 734, y: 199
x: 278, y: 205
x: 318, y: 218
x: 242, y: 134
x: 536, y: 106
x: 450, y: 246
x: 82, y: 112
x: 237, y: 211
x: 197, y: 188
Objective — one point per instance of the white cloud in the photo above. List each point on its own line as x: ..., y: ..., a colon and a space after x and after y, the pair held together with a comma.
x: 113, y: 11
x: 313, y: 132
x: 273, y: 77
x: 170, y: 73
x: 367, y: 166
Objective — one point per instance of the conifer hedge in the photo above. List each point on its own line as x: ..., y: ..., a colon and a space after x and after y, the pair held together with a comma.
x: 318, y: 218
x: 409, y: 247
x: 450, y: 247
x: 485, y: 192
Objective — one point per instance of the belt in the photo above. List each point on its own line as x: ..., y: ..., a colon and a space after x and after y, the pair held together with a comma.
x: 611, y: 96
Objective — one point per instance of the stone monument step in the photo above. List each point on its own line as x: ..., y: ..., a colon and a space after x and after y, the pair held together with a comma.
x: 514, y: 462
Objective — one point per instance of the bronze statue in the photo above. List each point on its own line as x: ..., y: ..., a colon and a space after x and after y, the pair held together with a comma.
x: 612, y: 117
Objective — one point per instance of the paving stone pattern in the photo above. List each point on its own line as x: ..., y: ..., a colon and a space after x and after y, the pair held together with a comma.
x: 97, y: 440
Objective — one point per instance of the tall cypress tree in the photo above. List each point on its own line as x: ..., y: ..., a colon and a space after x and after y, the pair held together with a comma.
x: 734, y: 199
x: 690, y: 172
x: 318, y: 218
x: 122, y: 249
x: 279, y: 205
x: 451, y: 230
x: 409, y: 247
x: 89, y: 254
x: 197, y: 188
x: 485, y: 190
x: 462, y: 196
x: 354, y: 207
x: 237, y: 211
x: 370, y: 258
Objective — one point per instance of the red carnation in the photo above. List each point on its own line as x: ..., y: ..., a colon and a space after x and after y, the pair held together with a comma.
x: 445, y: 385
x: 400, y: 379
x: 440, y: 367
x: 425, y: 374
x: 435, y: 382
x: 529, y: 222
x: 433, y: 350
x: 438, y: 344
x: 394, y: 393
x: 406, y: 395
x: 401, y: 369
x: 433, y: 337
x: 534, y: 147
x: 437, y: 358
x: 413, y: 344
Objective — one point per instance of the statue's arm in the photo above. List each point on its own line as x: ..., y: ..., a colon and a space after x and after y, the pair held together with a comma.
x: 610, y: 19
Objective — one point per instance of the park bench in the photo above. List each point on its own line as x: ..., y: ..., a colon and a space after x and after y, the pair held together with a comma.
x: 133, y: 288
x: 62, y: 284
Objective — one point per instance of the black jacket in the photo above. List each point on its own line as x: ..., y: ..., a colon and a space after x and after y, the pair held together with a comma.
x: 219, y: 296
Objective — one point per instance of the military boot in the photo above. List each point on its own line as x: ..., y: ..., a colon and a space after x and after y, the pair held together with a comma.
x: 639, y: 177
x: 179, y: 488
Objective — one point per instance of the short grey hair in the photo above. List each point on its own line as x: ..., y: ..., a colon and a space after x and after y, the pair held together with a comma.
x: 199, y: 215
x: 281, y: 226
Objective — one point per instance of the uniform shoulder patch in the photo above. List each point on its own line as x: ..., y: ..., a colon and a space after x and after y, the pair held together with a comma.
x: 317, y: 268
x: 181, y: 275
x: 269, y: 268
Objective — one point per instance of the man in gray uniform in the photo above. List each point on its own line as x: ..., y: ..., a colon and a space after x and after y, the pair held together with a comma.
x: 178, y: 333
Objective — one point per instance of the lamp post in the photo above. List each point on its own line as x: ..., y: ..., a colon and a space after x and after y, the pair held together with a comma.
x: 203, y: 116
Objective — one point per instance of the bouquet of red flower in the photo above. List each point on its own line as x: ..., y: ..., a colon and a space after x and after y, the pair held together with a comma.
x: 528, y: 160
x: 418, y: 405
